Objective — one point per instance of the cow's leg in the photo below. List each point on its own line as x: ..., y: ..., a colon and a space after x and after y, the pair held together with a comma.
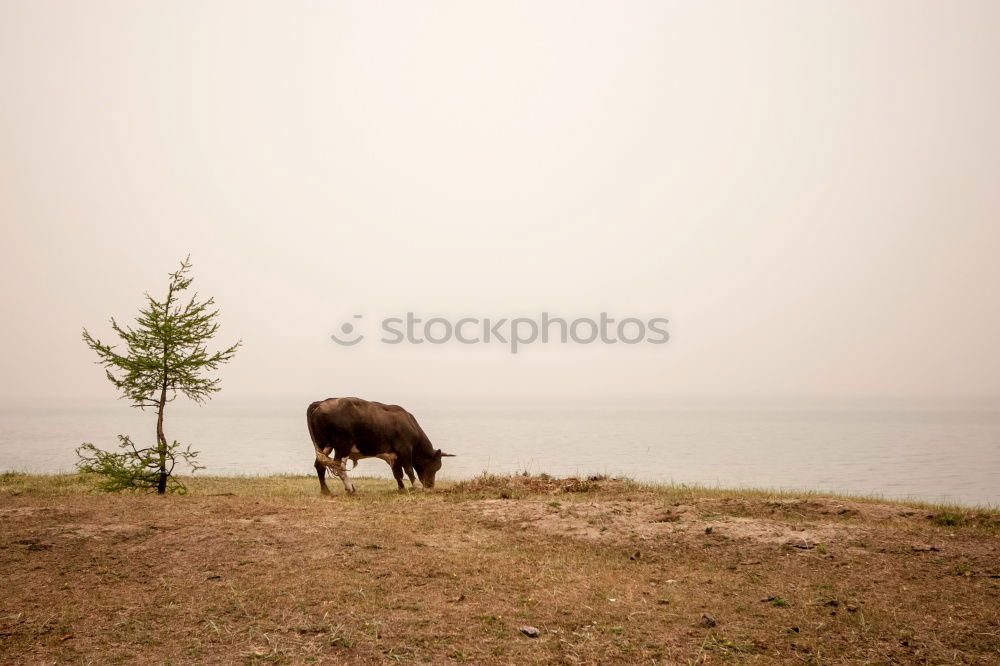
x: 407, y: 462
x: 340, y: 469
x: 321, y: 457
x: 321, y: 473
x: 397, y: 471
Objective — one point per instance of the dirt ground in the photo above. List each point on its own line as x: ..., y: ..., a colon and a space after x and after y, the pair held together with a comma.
x: 265, y: 571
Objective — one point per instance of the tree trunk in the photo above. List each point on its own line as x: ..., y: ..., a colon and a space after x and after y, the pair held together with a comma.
x: 161, y: 442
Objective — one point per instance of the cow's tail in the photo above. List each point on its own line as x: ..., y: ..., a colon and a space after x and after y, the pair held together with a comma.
x: 321, y: 457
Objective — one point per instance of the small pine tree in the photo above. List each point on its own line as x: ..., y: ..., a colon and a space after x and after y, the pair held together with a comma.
x: 165, y: 354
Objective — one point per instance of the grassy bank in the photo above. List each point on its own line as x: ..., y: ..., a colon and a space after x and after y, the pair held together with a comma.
x: 263, y: 570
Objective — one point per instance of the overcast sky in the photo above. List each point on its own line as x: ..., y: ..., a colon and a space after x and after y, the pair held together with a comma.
x: 807, y: 191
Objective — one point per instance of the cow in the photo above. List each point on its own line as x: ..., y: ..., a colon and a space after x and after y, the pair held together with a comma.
x: 354, y: 428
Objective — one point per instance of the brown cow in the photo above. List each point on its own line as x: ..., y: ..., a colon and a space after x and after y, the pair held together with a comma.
x: 355, y: 428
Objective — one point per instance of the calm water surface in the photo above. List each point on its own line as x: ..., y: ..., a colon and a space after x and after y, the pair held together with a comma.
x: 935, y: 456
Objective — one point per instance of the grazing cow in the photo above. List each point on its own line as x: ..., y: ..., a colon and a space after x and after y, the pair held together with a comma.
x: 355, y: 428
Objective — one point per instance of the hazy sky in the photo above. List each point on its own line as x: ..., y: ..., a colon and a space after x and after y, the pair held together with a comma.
x: 808, y: 191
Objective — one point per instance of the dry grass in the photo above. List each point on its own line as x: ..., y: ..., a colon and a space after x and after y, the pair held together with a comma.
x: 252, y: 570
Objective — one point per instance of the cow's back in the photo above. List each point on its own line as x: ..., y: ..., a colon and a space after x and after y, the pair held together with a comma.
x: 371, y: 427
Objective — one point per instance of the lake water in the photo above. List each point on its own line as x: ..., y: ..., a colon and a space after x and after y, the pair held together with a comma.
x: 934, y: 456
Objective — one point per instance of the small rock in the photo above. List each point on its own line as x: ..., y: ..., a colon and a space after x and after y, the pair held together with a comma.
x: 707, y: 620
x: 708, y: 530
x: 636, y: 556
x: 530, y: 632
x: 925, y: 548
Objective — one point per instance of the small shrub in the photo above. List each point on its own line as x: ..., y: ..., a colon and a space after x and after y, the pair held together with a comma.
x: 135, y: 468
x: 948, y: 519
x: 577, y: 486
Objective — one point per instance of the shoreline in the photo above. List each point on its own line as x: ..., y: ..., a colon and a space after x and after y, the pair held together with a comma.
x: 250, y: 483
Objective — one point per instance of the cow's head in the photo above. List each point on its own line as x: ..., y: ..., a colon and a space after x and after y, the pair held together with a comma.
x: 431, y: 467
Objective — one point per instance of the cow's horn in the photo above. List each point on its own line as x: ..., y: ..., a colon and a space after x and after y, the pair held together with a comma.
x: 449, y: 455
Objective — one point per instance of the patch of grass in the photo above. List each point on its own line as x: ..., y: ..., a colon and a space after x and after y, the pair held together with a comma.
x: 340, y: 640
x: 962, y: 569
x: 728, y: 648
x: 489, y: 485
x: 578, y: 486
x: 949, y: 518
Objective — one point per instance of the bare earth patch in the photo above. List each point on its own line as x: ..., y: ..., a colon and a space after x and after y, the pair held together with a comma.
x: 641, y: 522
x: 265, y: 571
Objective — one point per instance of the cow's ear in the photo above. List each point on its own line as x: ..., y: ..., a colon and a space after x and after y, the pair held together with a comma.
x: 437, y: 453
